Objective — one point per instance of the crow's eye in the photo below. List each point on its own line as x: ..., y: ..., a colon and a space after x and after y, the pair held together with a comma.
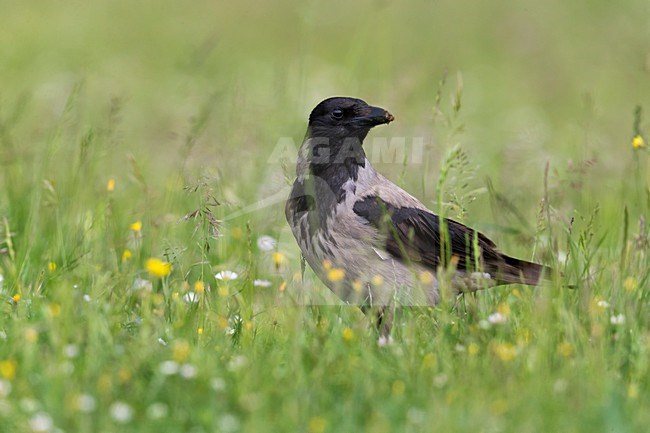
x: 337, y: 114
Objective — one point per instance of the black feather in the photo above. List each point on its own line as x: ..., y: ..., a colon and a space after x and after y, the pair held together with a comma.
x: 414, y: 235
x: 299, y: 202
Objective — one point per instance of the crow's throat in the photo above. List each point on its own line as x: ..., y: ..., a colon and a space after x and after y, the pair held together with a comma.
x: 334, y: 163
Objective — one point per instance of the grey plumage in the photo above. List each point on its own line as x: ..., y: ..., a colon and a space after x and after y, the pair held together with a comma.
x: 347, y: 217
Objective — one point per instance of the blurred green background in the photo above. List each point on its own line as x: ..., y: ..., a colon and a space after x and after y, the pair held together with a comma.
x: 543, y: 82
x: 183, y: 103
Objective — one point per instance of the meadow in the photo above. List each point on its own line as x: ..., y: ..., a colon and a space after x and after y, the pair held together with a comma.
x: 149, y: 281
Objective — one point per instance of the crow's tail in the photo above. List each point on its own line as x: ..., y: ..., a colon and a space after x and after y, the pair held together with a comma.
x: 515, y: 271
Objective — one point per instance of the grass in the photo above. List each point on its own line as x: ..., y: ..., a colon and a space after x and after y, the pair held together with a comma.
x: 155, y: 130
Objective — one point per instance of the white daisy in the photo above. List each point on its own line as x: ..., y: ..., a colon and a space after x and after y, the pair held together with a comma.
x: 228, y: 423
x: 157, y: 410
x: 560, y: 386
x: 497, y: 318
x: 237, y: 363
x: 617, y: 320
x: 29, y: 404
x: 226, y: 275
x: 191, y: 298
x: 121, y: 412
x: 262, y: 283
x: 188, y: 371
x: 266, y: 243
x: 440, y: 380
x: 218, y: 384
x: 5, y: 388
x: 71, y: 350
x: 41, y: 422
x: 168, y: 368
x: 415, y: 415
x: 142, y: 284
x: 483, y: 324
x: 384, y: 341
x: 86, y: 403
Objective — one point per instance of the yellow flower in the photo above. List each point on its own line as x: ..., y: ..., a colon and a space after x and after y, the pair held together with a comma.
x: 51, y: 266
x: 104, y: 383
x: 633, y: 391
x: 124, y: 375
x: 638, y: 142
x: 335, y: 275
x: 31, y: 335
x: 222, y: 322
x: 199, y: 331
x: 430, y: 361
x: 524, y: 336
x: 426, y: 277
x: 630, y: 284
x: 377, y: 280
x: 54, y: 309
x: 282, y: 287
x: 499, y: 407
x: 597, y: 330
x: 158, y: 268
x: 158, y: 298
x: 180, y: 351
x: 347, y: 334
x: 506, y: 352
x: 126, y: 255
x: 16, y: 298
x: 278, y: 258
x: 452, y: 395
x: 327, y: 264
x: 504, y: 309
x: 565, y: 349
x: 136, y: 226
x: 8, y: 369
x: 236, y: 233
x: 317, y: 424
x: 398, y: 387
x: 473, y: 349
x: 357, y: 285
x: 199, y: 287
x: 110, y: 185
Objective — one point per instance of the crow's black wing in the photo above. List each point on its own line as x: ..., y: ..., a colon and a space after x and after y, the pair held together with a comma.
x: 414, y: 235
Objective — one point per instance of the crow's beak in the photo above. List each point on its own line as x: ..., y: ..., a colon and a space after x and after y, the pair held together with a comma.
x: 373, y: 116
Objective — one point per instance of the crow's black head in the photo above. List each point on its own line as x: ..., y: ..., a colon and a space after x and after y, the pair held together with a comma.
x: 343, y: 118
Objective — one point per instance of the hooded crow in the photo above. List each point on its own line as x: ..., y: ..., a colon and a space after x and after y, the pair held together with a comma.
x: 368, y: 240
